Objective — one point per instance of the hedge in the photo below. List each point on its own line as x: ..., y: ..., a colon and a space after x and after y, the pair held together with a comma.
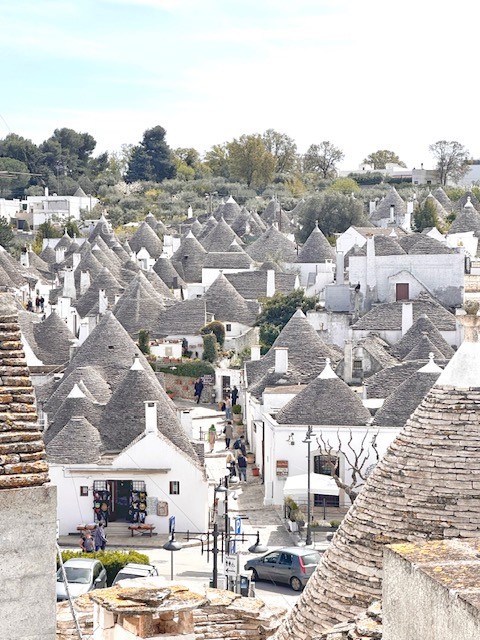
x: 192, y: 369
x: 113, y: 561
x: 369, y: 177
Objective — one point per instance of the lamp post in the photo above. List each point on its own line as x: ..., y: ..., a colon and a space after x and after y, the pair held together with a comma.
x: 308, y: 441
x: 172, y: 545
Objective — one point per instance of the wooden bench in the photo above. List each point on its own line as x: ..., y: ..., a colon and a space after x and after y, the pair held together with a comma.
x: 142, y: 529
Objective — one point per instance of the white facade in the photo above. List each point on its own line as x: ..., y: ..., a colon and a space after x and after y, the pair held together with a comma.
x: 152, y: 459
x: 167, y: 349
x: 9, y: 208
x: 40, y: 209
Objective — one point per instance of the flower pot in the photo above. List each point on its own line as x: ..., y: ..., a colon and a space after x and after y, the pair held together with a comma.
x: 255, y: 471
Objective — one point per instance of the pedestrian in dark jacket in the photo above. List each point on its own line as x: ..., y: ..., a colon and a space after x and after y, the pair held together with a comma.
x: 100, y: 538
x: 242, y: 467
x: 228, y: 431
x: 234, y: 395
x: 198, y: 388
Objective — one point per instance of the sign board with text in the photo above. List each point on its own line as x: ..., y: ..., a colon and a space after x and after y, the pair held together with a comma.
x: 282, y: 468
x: 230, y: 565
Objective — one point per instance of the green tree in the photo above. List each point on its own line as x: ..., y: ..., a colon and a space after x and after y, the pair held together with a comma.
x: 322, y: 159
x: 217, y: 329
x: 250, y: 161
x: 144, y: 341
x: 379, y: 159
x: 210, y: 347
x: 14, y: 177
x: 283, y: 149
x: 452, y: 159
x: 334, y: 212
x: 425, y: 215
x: 152, y: 159
x: 217, y: 160
x: 6, y: 233
x: 344, y: 185
x: 69, y: 153
x: 18, y: 148
x: 277, y: 311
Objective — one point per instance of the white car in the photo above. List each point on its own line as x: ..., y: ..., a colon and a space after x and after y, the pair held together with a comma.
x: 83, y: 575
x: 134, y: 570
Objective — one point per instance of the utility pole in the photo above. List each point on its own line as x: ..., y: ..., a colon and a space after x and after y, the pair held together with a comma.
x: 215, y: 556
x: 308, y: 441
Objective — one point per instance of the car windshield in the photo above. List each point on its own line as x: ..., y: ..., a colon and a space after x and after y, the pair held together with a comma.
x: 125, y: 576
x: 75, y: 575
x: 311, y: 558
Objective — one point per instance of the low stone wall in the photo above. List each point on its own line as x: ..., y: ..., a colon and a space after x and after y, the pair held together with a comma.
x: 183, y: 387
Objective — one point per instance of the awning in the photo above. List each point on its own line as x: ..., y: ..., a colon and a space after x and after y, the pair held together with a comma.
x: 297, y: 485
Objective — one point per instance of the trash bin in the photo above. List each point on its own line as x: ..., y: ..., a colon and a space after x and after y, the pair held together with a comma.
x: 244, y: 585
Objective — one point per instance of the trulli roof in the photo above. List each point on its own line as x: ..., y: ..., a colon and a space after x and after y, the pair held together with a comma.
x: 316, y: 248
x: 146, y: 237
x: 271, y: 245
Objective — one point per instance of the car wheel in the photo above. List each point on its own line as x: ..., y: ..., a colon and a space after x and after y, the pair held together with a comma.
x: 255, y: 577
x: 296, y: 584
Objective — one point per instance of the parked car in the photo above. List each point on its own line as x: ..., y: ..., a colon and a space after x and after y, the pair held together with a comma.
x: 83, y: 575
x: 133, y: 570
x: 292, y: 565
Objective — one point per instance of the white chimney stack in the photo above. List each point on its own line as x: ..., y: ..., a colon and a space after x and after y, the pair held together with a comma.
x: 76, y: 258
x: 84, y: 281
x: 102, y: 301
x: 186, y: 422
x: 255, y: 352
x: 392, y: 213
x: 340, y: 268
x: 46, y: 192
x: 69, y: 290
x: 83, y: 332
x: 60, y: 254
x: 150, y: 416
x: 190, y: 212
x: 25, y: 258
x: 281, y: 359
x: 407, y: 317
x: 270, y: 283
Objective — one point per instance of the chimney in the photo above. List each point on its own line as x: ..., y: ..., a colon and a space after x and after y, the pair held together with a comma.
x: 83, y: 332
x: 365, y: 392
x: 186, y: 421
x: 190, y: 212
x: 25, y: 258
x: 59, y: 255
x: 73, y: 348
x: 348, y: 362
x: 340, y: 268
x: 76, y: 258
x: 392, y: 213
x: 407, y: 317
x: 84, y: 281
x: 102, y: 301
x: 281, y: 359
x: 270, y: 283
x: 150, y: 416
x: 46, y: 192
x: 255, y: 352
x: 372, y: 205
x: 371, y: 272
x: 175, y: 282
x: 69, y: 290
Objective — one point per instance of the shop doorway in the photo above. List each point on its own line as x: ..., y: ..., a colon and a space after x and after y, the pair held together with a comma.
x: 120, y: 500
x: 121, y: 490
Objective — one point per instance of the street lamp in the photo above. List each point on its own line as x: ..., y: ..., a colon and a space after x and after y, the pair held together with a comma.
x: 308, y: 441
x: 172, y: 545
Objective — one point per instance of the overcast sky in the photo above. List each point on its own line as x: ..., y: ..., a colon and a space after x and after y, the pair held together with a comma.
x: 364, y: 74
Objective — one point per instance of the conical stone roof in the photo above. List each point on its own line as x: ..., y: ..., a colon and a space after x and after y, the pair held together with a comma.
x: 109, y: 349
x: 422, y: 326
x: 423, y: 349
x: 444, y: 200
x: 316, y: 248
x: 87, y: 263
x: 188, y: 259
x: 104, y: 280
x: 166, y: 271
x: 272, y: 245
x: 139, y: 307
x: 89, y: 379
x: 102, y: 228
x: 230, y: 210
x: 22, y: 453
x: 269, y: 215
x: 146, y: 237
x: 207, y: 227
x: 467, y: 220
x: 158, y: 285
x: 400, y: 405
x: 54, y: 340
x: 325, y: 401
x: 382, y: 212
x: 220, y: 238
x: 227, y: 305
x: 48, y: 255
x: 77, y: 443
x: 75, y: 404
x: 124, y: 416
x: 423, y: 488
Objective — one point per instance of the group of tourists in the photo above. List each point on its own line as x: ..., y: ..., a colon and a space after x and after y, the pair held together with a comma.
x: 96, y: 542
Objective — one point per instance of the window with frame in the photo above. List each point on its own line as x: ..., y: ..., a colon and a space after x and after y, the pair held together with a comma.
x: 321, y: 464
x: 228, y: 327
x: 174, y: 488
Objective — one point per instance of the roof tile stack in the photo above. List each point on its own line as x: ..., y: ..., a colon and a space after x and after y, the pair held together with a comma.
x: 425, y: 487
x: 22, y: 453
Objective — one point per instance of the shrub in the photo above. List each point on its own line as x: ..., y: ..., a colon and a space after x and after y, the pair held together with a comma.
x: 369, y: 177
x: 209, y: 348
x: 237, y: 409
x: 217, y: 329
x: 192, y: 369
x: 144, y: 341
x: 113, y: 561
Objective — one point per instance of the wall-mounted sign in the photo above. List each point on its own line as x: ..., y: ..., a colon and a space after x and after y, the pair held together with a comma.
x: 162, y: 508
x: 207, y: 379
x: 282, y: 468
x: 151, y: 505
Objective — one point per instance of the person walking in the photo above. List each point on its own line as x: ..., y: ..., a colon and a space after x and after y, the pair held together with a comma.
x: 228, y: 408
x: 212, y: 437
x: 100, y: 537
x: 242, y: 467
x: 234, y: 395
x: 240, y: 447
x: 228, y: 431
x: 230, y: 464
x: 198, y: 388
x: 87, y: 543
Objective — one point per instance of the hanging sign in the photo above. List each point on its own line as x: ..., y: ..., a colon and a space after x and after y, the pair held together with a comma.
x: 282, y: 468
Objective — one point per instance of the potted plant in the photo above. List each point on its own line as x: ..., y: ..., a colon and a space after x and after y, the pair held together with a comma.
x: 237, y: 413
x: 250, y: 457
x: 255, y: 471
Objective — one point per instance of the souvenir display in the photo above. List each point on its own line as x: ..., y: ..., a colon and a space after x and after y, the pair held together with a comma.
x: 137, y: 511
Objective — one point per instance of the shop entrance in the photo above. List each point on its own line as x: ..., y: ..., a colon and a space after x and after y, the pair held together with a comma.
x: 121, y: 490
x: 120, y: 500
